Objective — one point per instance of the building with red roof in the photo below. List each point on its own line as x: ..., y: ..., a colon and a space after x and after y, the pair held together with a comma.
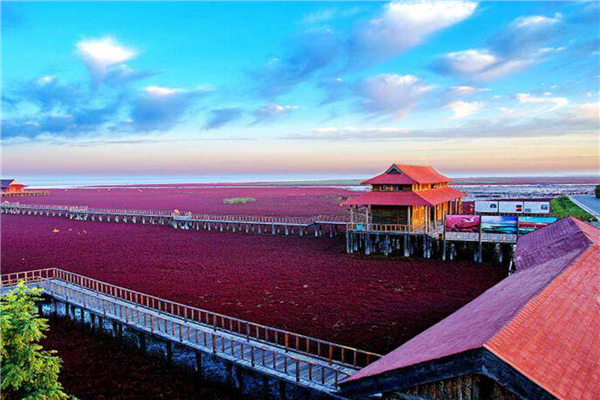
x: 406, y: 196
x: 11, y: 186
x: 535, y: 335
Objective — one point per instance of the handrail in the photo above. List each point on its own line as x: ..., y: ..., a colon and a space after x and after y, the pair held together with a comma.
x: 273, y: 220
x: 37, y: 275
x: 331, y: 352
x: 181, y: 331
x: 358, y: 226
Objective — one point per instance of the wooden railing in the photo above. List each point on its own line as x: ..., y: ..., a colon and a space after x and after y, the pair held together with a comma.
x: 39, y: 207
x: 331, y: 352
x: 38, y: 275
x: 387, y: 228
x: 252, y: 219
x: 221, y: 343
x: 25, y: 193
x: 181, y: 215
x: 328, y: 219
x: 119, y: 211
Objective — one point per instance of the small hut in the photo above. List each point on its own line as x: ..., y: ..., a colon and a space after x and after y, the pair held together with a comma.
x: 12, y: 186
x: 404, y: 198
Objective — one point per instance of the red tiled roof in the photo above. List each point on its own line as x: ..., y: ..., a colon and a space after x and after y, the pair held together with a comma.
x: 423, y: 198
x: 8, y: 182
x: 390, y: 179
x: 544, y: 321
x: 555, y: 339
x: 564, y: 237
x: 410, y: 174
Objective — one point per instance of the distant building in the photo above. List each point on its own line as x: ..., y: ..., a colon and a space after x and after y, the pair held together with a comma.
x: 405, y: 197
x: 12, y: 186
x: 535, y: 335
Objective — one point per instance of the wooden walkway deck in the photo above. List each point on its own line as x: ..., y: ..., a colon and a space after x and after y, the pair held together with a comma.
x: 317, y: 225
x: 302, y: 360
x: 26, y: 193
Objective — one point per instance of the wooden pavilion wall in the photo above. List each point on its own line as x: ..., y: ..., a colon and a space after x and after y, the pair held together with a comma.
x: 390, y: 215
x: 466, y: 387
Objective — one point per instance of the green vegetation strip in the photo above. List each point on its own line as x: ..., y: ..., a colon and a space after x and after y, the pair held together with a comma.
x: 239, y: 200
x: 562, y: 207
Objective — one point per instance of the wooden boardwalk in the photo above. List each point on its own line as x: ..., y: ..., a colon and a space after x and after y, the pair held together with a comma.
x: 317, y: 225
x: 302, y: 360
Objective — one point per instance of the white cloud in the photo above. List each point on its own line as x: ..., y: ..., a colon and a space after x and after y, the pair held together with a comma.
x: 558, y: 102
x: 105, y: 51
x: 45, y: 80
x: 161, y: 91
x: 512, y: 49
x: 586, y: 112
x: 326, y: 130
x: 469, y: 62
x: 356, y: 133
x: 272, y: 111
x: 537, y: 21
x: 484, y: 66
x: 464, y: 109
x: 391, y: 94
x: 403, y: 25
x: 101, y: 54
x: 465, y: 91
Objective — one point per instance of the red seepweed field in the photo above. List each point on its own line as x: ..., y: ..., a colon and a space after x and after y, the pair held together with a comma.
x: 307, y: 285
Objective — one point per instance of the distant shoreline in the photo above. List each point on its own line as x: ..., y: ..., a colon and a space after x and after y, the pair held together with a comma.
x: 496, y: 181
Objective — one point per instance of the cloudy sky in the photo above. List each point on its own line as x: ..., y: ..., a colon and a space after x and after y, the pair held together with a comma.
x: 331, y: 88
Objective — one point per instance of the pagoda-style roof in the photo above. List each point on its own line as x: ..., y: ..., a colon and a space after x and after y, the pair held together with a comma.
x: 431, y: 197
x: 403, y: 174
x: 536, y: 333
x: 4, y: 183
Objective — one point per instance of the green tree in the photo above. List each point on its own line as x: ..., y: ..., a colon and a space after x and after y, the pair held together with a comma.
x: 597, y: 191
x: 28, y: 371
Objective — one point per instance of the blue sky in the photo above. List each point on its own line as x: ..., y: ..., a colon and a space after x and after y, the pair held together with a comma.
x: 307, y: 87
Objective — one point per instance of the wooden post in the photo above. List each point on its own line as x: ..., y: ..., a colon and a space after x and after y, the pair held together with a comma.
x: 169, y: 352
x: 199, y: 362
x: 444, y: 241
x: 142, y: 341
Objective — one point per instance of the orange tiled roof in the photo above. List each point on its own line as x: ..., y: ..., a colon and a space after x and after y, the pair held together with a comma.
x: 411, y: 174
x: 423, y: 198
x: 555, y: 338
x: 543, y: 321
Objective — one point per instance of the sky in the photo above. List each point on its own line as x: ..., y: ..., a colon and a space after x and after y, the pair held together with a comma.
x: 299, y: 88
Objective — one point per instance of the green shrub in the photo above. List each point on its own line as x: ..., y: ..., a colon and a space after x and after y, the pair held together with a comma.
x: 597, y: 191
x: 239, y: 200
x: 28, y: 371
x: 562, y: 207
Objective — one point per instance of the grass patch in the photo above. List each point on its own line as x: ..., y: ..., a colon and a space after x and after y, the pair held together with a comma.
x: 239, y: 200
x: 562, y: 207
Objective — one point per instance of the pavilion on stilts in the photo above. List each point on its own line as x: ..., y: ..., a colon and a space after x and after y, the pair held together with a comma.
x: 404, y: 210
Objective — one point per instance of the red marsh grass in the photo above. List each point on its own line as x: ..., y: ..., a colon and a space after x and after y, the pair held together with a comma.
x: 303, y: 284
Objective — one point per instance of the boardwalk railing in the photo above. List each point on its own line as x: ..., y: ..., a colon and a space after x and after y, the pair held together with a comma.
x: 304, y: 221
x: 177, y: 215
x: 331, y: 353
x: 387, y: 228
x: 118, y: 211
x: 25, y: 193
